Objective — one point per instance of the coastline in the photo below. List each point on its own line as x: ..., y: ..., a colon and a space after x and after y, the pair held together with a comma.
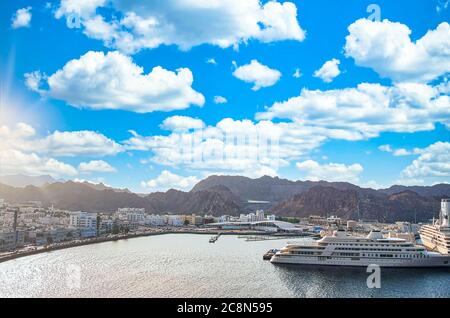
x: 97, y: 240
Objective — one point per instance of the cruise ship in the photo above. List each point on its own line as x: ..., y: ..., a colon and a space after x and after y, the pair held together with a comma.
x: 341, y: 249
x: 436, y: 236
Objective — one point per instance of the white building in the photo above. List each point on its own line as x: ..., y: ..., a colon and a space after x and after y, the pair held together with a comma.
x: 259, y: 215
x: 10, y: 240
x: 126, y: 211
x: 132, y: 215
x: 155, y: 220
x: 85, y: 222
x: 175, y: 220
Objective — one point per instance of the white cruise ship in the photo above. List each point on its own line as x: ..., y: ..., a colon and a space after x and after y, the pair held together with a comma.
x: 436, y: 236
x: 343, y: 250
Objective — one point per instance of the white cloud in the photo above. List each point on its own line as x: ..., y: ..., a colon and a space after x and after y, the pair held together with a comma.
x: 22, y: 18
x: 231, y: 147
x: 386, y: 47
x: 400, y: 151
x: 328, y: 71
x: 77, y: 143
x: 182, y: 123
x: 84, y: 8
x: 220, y: 100
x: 18, y: 162
x: 67, y: 143
x: 365, y: 111
x: 433, y: 164
x: 168, y: 180
x: 258, y: 74
x: 315, y: 171
x: 385, y: 148
x: 150, y: 24
x: 113, y: 81
x: 211, y: 61
x: 33, y: 80
x: 95, y: 166
x: 23, y: 151
x: 297, y: 73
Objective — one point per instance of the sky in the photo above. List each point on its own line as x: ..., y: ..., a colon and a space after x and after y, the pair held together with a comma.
x: 153, y: 95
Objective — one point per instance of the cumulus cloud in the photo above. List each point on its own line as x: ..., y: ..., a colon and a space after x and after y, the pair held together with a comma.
x: 23, y: 151
x: 297, y: 73
x: 315, y: 171
x: 398, y: 152
x: 258, y: 74
x: 95, y: 166
x: 329, y: 71
x: 386, y: 47
x: 84, y: 8
x: 433, y: 163
x: 77, y: 143
x: 112, y: 81
x: 17, y: 162
x: 220, y: 100
x: 230, y: 147
x: 150, y: 24
x: 385, y: 148
x: 22, y: 18
x: 168, y: 180
x: 23, y: 137
x: 33, y: 80
x: 211, y: 61
x: 182, y: 123
x: 365, y: 111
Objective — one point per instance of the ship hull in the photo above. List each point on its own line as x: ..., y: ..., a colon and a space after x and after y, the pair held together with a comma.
x: 439, y: 262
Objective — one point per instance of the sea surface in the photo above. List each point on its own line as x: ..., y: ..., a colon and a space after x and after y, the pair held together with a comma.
x: 187, y: 265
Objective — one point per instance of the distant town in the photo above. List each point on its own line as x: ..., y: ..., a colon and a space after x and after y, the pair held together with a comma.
x: 30, y: 228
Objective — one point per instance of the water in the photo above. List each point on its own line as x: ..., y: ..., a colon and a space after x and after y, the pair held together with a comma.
x: 184, y: 265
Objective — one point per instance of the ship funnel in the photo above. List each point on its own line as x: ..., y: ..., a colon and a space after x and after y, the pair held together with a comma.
x: 445, y: 212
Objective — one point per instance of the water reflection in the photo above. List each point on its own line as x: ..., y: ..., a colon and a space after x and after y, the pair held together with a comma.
x: 332, y: 281
x: 185, y: 265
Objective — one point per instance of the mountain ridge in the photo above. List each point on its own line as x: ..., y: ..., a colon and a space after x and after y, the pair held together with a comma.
x: 230, y: 195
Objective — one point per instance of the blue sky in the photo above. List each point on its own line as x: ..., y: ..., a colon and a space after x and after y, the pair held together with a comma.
x: 67, y: 121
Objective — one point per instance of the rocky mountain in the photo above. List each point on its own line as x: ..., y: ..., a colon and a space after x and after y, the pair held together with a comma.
x: 436, y: 190
x: 320, y: 200
x: 219, y: 195
x: 271, y: 189
x: 349, y: 204
x: 212, y: 201
x: 76, y: 196
x: 21, y: 181
x: 102, y: 186
x: 303, y: 198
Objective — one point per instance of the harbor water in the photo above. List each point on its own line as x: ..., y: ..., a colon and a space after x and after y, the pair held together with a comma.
x: 187, y: 265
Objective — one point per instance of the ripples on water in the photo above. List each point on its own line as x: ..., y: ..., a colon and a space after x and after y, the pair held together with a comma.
x: 183, y: 265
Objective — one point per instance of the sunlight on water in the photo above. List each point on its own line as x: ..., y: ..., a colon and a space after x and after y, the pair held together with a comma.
x: 182, y: 265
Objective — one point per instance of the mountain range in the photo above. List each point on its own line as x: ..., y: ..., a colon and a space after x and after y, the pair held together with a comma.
x: 232, y: 195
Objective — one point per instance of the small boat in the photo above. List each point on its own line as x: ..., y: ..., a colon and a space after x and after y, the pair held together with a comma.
x: 268, y: 255
x: 214, y: 238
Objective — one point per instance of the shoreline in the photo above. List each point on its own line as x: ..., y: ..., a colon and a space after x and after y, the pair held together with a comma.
x: 97, y: 240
